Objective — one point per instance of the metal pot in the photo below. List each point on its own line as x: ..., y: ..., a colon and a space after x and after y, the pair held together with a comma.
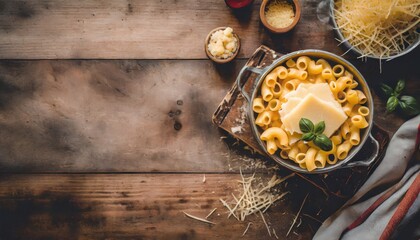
x: 364, y: 135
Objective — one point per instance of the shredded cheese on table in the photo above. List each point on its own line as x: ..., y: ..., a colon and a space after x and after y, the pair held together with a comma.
x: 253, y: 198
x: 279, y: 14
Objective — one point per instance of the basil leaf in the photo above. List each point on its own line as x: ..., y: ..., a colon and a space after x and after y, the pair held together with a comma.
x: 400, y: 87
x: 306, y: 125
x: 409, y: 106
x: 387, y: 90
x: 320, y: 127
x: 308, y: 137
x: 323, y: 142
x: 391, y: 104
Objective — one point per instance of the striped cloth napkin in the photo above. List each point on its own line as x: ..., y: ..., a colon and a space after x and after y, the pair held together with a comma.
x: 387, y: 206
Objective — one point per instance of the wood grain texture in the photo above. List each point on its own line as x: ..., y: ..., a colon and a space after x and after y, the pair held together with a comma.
x: 140, y: 29
x: 140, y: 206
x: 138, y: 116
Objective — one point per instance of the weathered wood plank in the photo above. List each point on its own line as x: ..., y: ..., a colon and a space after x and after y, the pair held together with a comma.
x: 139, y: 29
x: 138, y: 116
x: 95, y: 116
x: 144, y: 206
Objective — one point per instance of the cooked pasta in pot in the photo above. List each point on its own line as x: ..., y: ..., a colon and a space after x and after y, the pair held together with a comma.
x: 317, y: 90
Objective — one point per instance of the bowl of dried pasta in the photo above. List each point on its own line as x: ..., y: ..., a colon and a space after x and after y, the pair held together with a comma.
x: 311, y: 111
x: 379, y: 29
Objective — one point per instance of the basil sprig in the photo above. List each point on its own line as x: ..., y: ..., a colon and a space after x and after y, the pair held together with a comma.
x: 314, y: 133
x: 407, y: 104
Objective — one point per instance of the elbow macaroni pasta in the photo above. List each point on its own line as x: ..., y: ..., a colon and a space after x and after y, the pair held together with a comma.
x: 291, y: 63
x: 324, y: 63
x: 291, y: 85
x: 314, y: 68
x: 276, y: 90
x: 258, y: 105
x: 327, y: 74
x: 338, y: 70
x: 274, y: 105
x: 266, y: 93
x: 263, y: 119
x: 321, y: 159
x: 281, y: 72
x: 278, y: 135
x: 302, y: 62
x: 286, y: 78
x: 271, y: 79
x: 296, y: 73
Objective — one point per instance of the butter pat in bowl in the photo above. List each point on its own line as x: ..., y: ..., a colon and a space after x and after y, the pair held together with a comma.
x: 222, y: 45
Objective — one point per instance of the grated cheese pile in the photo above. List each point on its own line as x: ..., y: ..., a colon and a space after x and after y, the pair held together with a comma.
x: 380, y: 28
x: 279, y: 14
x: 254, y: 198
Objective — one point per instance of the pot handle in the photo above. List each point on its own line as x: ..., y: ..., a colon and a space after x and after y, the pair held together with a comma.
x: 241, y: 84
x: 370, y: 160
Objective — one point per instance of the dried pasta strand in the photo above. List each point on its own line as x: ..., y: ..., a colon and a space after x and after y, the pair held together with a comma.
x: 274, y: 233
x: 246, y: 229
x: 211, y: 213
x: 198, y: 219
x: 297, y: 215
x: 266, y: 225
x: 230, y: 210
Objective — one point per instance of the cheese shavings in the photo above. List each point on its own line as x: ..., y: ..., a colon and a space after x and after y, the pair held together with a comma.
x: 254, y: 199
x: 379, y: 28
x: 279, y: 14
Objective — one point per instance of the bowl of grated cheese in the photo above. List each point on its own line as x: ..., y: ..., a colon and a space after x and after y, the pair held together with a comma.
x: 280, y: 16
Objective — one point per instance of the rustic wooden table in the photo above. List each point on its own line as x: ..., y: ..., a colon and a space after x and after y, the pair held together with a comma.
x: 105, y: 117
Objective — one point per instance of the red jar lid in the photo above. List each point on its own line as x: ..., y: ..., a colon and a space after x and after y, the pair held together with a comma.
x: 236, y: 4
